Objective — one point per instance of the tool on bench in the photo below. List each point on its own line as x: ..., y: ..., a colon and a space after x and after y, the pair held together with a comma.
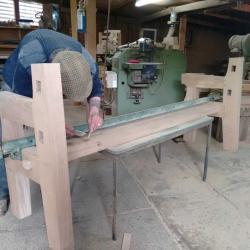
x: 14, y: 148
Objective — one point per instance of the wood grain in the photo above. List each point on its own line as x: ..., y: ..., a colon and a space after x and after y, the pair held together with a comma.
x: 49, y: 123
x: 19, y: 184
x: 232, y: 104
x: 16, y: 108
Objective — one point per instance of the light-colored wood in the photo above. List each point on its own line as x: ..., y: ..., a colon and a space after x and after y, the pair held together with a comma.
x: 233, y: 85
x: 126, y: 241
x: 26, y: 168
x: 183, y: 33
x: 232, y: 103
x: 203, y: 81
x: 100, y: 140
x: 245, y: 101
x: 47, y: 163
x: 16, y: 108
x: 19, y: 185
x: 90, y: 36
x: 191, y: 94
x: 246, y: 86
x: 51, y: 146
x: 73, y: 16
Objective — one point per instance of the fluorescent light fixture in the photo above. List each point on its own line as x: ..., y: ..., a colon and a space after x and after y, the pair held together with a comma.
x: 140, y: 3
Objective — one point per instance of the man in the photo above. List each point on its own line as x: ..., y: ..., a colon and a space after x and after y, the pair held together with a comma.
x: 79, y: 74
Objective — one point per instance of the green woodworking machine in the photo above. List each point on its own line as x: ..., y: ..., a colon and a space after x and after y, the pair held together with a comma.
x: 147, y: 76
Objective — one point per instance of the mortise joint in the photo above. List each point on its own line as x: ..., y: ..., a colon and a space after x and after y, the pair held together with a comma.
x: 233, y: 69
x: 40, y: 136
x: 229, y: 92
x: 38, y: 86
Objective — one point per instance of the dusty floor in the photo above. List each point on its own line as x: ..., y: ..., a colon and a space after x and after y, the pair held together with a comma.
x: 164, y: 206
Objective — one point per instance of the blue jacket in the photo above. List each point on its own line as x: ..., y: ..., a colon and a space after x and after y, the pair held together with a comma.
x: 38, y: 47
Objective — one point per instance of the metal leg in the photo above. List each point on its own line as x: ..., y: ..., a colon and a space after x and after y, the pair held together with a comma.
x: 207, y: 151
x: 114, y: 200
x: 157, y: 154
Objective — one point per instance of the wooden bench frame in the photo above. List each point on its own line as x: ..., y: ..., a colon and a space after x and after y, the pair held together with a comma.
x: 47, y: 163
x: 232, y: 86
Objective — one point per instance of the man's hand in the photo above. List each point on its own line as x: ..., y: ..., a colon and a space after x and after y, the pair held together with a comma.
x: 94, y: 119
x: 69, y: 130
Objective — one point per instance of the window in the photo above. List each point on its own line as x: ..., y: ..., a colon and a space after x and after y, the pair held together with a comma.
x: 7, y: 12
x: 28, y: 10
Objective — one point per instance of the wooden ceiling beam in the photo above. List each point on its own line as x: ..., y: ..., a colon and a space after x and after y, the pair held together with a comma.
x: 243, y: 7
x: 226, y: 17
x: 205, y: 4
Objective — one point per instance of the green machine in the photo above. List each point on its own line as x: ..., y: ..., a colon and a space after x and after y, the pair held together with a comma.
x: 147, y: 77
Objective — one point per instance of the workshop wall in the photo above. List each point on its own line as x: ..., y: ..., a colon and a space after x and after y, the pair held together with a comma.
x: 206, y: 47
x: 129, y: 28
x: 207, y: 50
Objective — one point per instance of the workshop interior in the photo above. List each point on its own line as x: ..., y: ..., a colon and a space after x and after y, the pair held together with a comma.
x: 168, y: 164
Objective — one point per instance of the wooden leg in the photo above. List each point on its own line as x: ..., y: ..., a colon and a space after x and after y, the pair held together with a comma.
x: 191, y: 94
x: 19, y: 184
x: 232, y: 103
x: 19, y: 189
x: 51, y: 145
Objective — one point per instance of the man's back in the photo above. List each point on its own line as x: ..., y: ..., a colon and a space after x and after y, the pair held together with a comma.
x: 38, y: 46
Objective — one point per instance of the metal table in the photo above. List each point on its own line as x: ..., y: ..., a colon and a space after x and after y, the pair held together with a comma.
x: 152, y: 141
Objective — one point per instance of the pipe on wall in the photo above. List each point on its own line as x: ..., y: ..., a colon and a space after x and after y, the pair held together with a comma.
x: 186, y: 8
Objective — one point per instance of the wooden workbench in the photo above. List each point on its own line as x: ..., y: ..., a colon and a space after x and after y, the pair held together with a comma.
x: 47, y: 163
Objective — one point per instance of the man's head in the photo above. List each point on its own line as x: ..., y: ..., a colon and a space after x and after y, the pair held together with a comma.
x: 76, y: 76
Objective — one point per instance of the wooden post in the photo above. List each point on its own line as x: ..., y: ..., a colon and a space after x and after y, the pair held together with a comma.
x: 17, y: 11
x: 73, y: 16
x: 19, y: 185
x: 49, y: 124
x: 191, y: 94
x: 182, y: 33
x: 90, y: 36
x: 232, y: 103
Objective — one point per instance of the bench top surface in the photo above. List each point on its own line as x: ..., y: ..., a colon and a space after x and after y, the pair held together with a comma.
x: 160, y: 137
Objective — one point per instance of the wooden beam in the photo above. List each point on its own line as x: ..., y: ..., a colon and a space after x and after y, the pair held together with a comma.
x: 90, y: 36
x: 100, y: 140
x: 17, y: 11
x: 216, y: 26
x: 16, y: 108
x: 73, y: 15
x: 203, y: 81
x: 225, y: 17
x: 126, y: 241
x: 19, y: 184
x: 243, y: 7
x: 198, y: 5
x: 192, y: 93
x: 51, y: 146
x: 182, y: 33
x: 232, y: 104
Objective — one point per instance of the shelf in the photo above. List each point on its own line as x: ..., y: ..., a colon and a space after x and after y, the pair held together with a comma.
x: 17, y: 27
x: 8, y: 46
x: 4, y: 56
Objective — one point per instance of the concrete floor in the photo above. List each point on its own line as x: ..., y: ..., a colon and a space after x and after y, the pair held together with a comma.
x: 164, y: 206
